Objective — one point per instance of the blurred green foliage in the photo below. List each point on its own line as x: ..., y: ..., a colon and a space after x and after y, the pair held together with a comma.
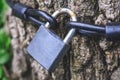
x: 4, y: 51
x: 4, y: 41
x: 3, y: 8
x: 4, y: 48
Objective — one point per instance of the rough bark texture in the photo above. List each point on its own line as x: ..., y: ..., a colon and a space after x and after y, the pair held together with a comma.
x: 90, y: 58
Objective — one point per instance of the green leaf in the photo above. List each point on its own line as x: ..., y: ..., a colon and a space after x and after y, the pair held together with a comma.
x: 2, y: 35
x: 3, y: 8
x: 4, y: 58
x: 4, y: 46
x: 3, y: 4
x: 1, y: 72
x: 2, y: 52
x: 4, y: 78
x: 8, y: 42
x: 4, y: 39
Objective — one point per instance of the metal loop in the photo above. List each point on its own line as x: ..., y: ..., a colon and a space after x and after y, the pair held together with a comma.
x: 60, y: 11
x: 73, y: 17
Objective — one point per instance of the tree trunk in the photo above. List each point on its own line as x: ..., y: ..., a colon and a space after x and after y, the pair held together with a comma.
x: 89, y: 58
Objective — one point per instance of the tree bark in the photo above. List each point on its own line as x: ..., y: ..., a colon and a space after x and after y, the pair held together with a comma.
x: 89, y: 58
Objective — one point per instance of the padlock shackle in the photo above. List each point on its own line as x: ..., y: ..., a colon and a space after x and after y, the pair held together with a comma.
x: 65, y: 10
x: 71, y: 32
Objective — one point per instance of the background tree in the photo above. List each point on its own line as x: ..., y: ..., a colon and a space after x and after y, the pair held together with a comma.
x: 90, y: 58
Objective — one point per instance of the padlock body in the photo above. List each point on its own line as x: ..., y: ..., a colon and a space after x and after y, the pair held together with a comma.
x: 47, y: 48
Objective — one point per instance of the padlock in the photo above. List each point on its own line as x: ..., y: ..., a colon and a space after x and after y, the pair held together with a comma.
x: 46, y: 47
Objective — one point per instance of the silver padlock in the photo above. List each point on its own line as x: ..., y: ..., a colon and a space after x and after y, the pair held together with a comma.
x: 48, y: 48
